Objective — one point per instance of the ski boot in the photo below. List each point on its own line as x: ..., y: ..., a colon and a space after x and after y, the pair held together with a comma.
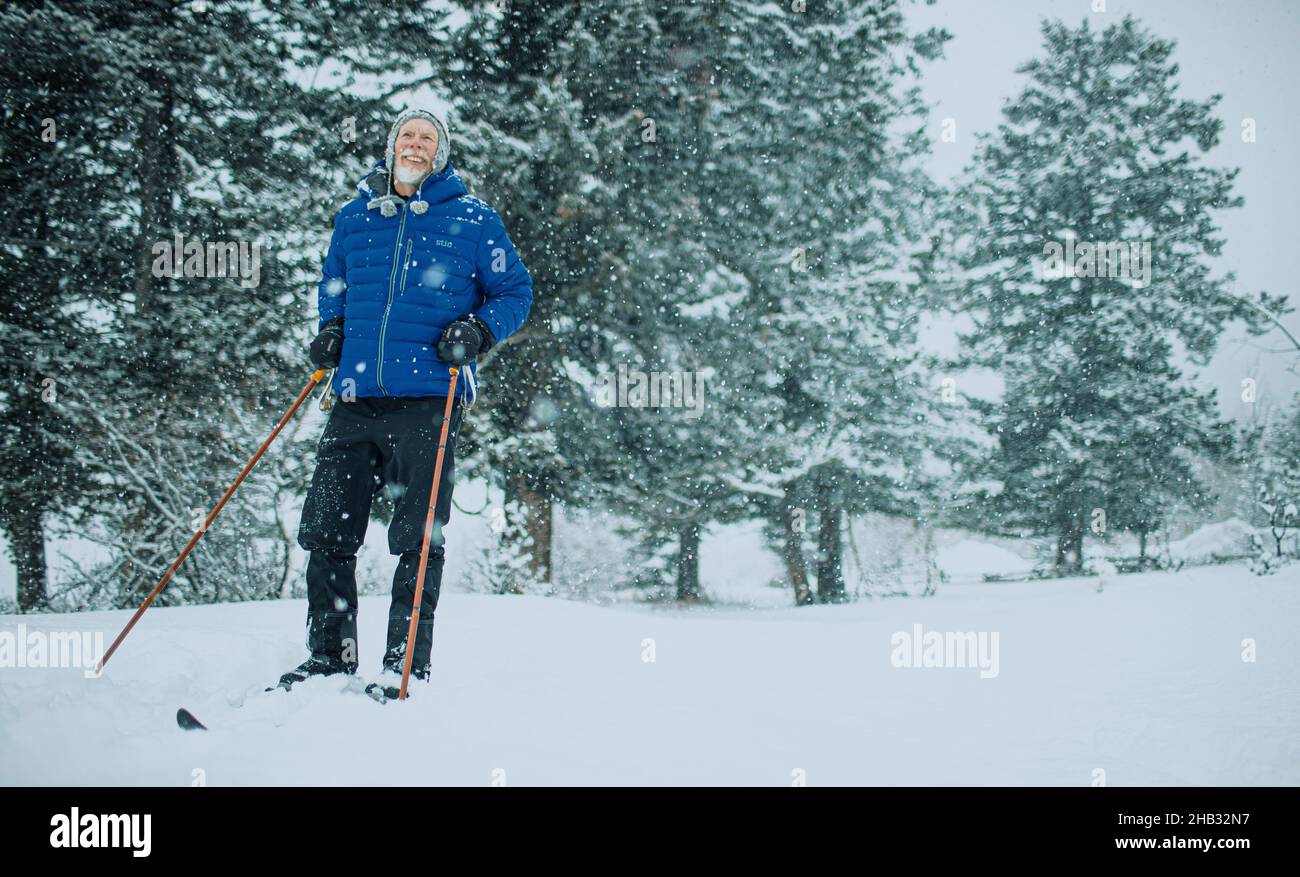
x: 314, y: 666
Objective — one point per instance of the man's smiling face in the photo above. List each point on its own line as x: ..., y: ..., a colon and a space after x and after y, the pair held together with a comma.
x: 417, y: 143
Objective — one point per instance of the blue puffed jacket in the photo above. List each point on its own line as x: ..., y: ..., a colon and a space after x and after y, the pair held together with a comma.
x: 400, y: 270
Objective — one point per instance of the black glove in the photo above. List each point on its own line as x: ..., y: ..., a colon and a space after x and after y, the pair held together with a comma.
x: 464, y: 340
x: 327, y: 348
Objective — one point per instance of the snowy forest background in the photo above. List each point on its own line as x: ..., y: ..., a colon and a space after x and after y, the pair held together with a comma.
x: 895, y: 394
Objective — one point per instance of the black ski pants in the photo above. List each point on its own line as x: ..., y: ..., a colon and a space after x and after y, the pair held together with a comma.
x: 371, y: 444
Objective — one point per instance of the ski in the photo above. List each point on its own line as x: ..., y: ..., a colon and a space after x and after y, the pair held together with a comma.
x: 373, y: 690
x: 383, y: 693
x: 355, y: 685
x: 188, y: 722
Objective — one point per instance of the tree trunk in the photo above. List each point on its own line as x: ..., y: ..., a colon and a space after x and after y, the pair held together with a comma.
x: 1142, y: 547
x: 830, y: 572
x: 539, y: 526
x: 688, y: 563
x: 1069, y: 548
x: 156, y: 173
x: 792, y: 553
x: 27, y: 541
x: 931, y: 565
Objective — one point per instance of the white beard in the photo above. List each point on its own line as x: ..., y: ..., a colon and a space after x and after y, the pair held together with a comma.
x: 408, y: 176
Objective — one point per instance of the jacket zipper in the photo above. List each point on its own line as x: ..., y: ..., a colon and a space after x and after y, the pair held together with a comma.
x: 383, y: 326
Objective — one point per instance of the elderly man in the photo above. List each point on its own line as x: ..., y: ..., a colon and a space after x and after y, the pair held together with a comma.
x: 419, y: 276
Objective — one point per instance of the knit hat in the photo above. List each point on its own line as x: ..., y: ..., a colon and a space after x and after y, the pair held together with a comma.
x: 386, y: 201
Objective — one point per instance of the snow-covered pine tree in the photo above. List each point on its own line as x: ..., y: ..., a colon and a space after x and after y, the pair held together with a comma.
x: 1098, y: 154
x: 605, y: 132
x: 539, y: 91
x: 212, y: 122
x: 817, y: 185
x: 59, y: 256
x: 679, y: 456
x: 580, y: 122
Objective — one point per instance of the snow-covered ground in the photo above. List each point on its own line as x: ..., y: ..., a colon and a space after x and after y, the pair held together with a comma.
x: 1144, y: 680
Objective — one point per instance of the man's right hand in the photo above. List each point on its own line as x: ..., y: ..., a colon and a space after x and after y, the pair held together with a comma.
x: 328, y: 346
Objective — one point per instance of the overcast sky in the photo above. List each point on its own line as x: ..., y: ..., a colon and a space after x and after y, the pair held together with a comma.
x: 1245, y: 51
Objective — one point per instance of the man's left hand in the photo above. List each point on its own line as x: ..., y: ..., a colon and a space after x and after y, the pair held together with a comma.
x: 463, y: 341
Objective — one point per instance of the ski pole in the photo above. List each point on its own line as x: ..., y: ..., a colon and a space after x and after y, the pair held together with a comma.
x: 428, y: 531
x: 212, y: 516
